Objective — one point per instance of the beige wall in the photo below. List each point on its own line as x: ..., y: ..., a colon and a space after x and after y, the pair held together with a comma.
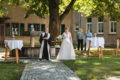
x: 110, y: 39
x: 17, y: 14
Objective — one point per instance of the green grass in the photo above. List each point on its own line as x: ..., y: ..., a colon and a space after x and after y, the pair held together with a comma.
x: 87, y: 69
x: 94, y: 68
x: 11, y: 70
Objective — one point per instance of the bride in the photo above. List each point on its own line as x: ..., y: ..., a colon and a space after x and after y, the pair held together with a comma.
x: 66, y: 51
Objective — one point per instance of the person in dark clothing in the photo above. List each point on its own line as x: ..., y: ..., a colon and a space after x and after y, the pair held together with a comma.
x: 45, y: 40
x: 80, y: 38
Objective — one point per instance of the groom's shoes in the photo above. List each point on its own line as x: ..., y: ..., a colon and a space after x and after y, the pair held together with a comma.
x: 40, y: 59
x: 43, y: 59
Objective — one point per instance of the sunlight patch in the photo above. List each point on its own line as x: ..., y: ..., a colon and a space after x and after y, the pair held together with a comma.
x: 73, y: 78
x: 82, y: 62
x: 95, y: 63
x: 107, y: 57
x: 114, y: 78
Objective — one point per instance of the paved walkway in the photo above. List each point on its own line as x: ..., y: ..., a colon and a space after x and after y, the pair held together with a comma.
x: 47, y: 70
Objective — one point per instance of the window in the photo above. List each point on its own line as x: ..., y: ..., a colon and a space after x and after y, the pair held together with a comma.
x: 21, y: 29
x: 36, y: 27
x: 62, y: 28
x: 29, y: 27
x: 113, y: 27
x: 76, y: 27
x: 42, y: 27
x: 89, y: 19
x: 7, y: 29
x: 89, y: 24
x: 100, y: 26
x: 15, y: 29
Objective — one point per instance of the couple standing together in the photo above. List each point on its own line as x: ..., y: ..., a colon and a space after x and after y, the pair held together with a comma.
x: 83, y: 39
x: 66, y: 51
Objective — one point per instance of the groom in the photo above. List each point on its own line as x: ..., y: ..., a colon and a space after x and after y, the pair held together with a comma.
x: 45, y: 40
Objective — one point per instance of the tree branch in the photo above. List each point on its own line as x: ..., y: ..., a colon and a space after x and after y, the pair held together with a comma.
x: 67, y: 10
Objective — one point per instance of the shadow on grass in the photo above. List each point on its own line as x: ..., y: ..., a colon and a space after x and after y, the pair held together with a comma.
x: 94, y: 68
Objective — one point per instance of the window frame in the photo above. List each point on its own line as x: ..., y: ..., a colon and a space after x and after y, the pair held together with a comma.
x: 42, y: 27
x: 100, y: 22
x: 110, y: 26
x: 8, y: 29
x: 14, y: 25
x: 89, y: 23
x: 62, y: 27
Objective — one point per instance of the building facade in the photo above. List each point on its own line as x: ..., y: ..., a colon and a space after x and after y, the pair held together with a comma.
x: 109, y: 29
x: 21, y: 27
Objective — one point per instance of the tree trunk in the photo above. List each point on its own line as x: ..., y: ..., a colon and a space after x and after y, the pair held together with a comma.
x: 55, y: 19
x: 54, y: 23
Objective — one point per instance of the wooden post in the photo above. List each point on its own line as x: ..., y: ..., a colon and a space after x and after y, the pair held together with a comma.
x: 100, y: 52
x: 17, y: 56
x: 117, y: 47
x: 6, y: 53
x: 32, y: 41
x: 89, y: 48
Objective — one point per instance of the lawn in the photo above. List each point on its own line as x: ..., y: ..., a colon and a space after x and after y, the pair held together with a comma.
x: 87, y: 69
x: 94, y: 68
x: 11, y: 70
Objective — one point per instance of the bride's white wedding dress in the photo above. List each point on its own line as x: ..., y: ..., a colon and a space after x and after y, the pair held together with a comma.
x: 66, y: 51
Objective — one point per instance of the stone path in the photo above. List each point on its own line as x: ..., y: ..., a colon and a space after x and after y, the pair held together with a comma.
x: 47, y: 70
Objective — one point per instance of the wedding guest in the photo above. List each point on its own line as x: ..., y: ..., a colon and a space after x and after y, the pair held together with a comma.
x: 80, y: 38
x: 88, y: 38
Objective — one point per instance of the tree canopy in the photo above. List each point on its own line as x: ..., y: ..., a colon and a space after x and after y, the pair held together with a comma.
x: 3, y: 10
x: 57, y: 10
x: 110, y: 8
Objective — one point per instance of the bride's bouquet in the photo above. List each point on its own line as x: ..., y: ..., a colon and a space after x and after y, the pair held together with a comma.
x: 58, y: 41
x: 59, y: 37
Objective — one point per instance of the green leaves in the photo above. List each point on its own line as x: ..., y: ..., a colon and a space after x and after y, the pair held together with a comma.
x: 97, y: 8
x: 110, y: 8
x: 39, y: 7
x: 3, y: 10
x: 85, y: 6
x: 63, y: 5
